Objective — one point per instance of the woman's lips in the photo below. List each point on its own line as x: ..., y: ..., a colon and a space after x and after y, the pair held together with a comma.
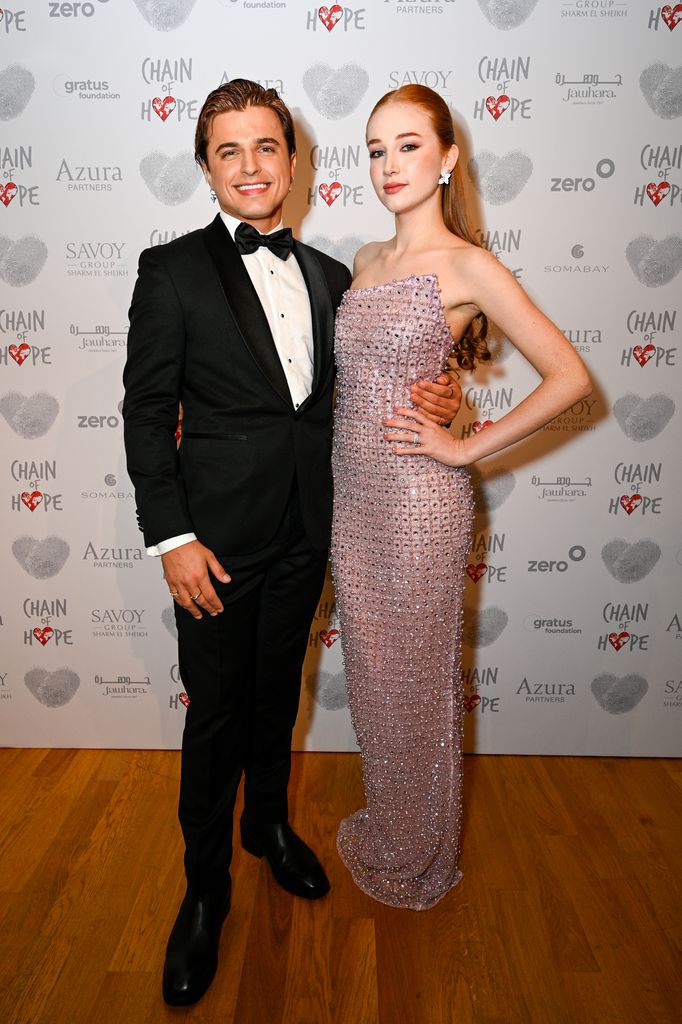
x: 393, y: 187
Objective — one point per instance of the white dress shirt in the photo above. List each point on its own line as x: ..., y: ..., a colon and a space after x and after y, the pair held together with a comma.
x: 282, y: 291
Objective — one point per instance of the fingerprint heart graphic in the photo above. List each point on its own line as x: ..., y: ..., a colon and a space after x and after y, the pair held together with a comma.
x: 507, y: 14
x: 630, y: 563
x: 657, y: 193
x: 22, y: 260
x: 618, y: 640
x: 335, y: 93
x: 477, y: 426
x: 341, y: 249
x: 168, y: 619
x: 328, y: 690
x: 165, y: 15
x: 41, y: 559
x: 475, y: 572
x: 52, y: 689
x: 7, y: 193
x: 643, y: 355
x: 642, y: 419
x: 672, y: 15
x: 16, y: 88
x: 483, y: 627
x: 329, y: 636
x: 496, y: 105
x: 171, y: 180
x: 655, y: 262
x: 471, y: 701
x: 163, y: 107
x: 330, y: 16
x: 491, y: 491
x: 661, y: 87
x: 19, y: 352
x: 499, y: 179
x: 29, y: 416
x: 618, y: 695
x: 630, y: 502
x: 330, y: 193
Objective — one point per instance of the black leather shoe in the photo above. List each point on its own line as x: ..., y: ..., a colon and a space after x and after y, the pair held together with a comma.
x: 293, y: 864
x: 192, y: 950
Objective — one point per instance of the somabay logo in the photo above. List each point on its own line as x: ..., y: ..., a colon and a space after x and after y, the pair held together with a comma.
x: 22, y: 260
x: 655, y: 262
x: 341, y: 249
x: 335, y: 93
x: 165, y: 15
x: 642, y: 419
x: 16, y: 88
x: 41, y: 559
x: 499, y: 179
x: 507, y: 14
x: 29, y: 416
x: 171, y: 180
x: 661, y: 87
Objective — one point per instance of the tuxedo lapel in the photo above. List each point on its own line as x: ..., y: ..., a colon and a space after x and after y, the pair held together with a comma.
x: 244, y: 304
x: 322, y: 313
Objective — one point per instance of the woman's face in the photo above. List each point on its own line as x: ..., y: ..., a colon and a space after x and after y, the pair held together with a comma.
x: 405, y: 156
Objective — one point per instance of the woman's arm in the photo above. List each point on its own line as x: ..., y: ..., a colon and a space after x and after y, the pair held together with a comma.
x: 564, y: 377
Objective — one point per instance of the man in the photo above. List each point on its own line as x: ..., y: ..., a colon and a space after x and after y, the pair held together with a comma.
x: 235, y: 321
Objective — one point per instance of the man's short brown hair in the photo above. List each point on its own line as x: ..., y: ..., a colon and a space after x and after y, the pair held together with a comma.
x: 239, y: 94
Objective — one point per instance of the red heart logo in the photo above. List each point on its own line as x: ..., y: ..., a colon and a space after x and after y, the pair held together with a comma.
x: 657, y: 193
x: 184, y: 699
x: 497, y: 107
x: 163, y: 107
x: 643, y: 355
x: 471, y: 701
x: 329, y: 636
x: 478, y: 426
x: 630, y: 502
x: 19, y: 352
x: 329, y: 16
x: 330, y: 192
x: 475, y: 572
x: 31, y: 501
x: 8, y: 192
x: 619, y: 640
x: 671, y: 15
x: 43, y: 635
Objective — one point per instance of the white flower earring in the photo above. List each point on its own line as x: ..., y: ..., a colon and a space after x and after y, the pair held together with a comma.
x: 444, y: 177
x: 212, y: 195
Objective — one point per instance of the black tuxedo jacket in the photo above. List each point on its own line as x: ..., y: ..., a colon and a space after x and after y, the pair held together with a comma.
x: 199, y: 335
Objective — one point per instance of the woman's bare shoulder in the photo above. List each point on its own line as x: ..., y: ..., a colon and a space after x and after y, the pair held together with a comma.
x: 365, y: 255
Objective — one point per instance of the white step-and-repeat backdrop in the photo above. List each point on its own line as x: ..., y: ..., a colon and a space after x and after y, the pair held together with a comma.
x: 568, y: 116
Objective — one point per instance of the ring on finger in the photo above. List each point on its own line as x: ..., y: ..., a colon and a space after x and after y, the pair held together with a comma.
x: 196, y: 596
x: 415, y: 439
x: 173, y: 593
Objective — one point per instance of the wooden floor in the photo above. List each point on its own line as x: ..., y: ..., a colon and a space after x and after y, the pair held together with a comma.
x: 569, y: 911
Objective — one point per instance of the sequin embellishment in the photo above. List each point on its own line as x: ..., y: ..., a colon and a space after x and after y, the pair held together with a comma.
x: 401, y: 535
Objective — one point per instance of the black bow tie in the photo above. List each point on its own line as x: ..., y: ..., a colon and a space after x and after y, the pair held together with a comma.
x: 248, y: 240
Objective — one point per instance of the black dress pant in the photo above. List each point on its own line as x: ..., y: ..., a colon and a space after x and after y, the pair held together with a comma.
x: 242, y: 672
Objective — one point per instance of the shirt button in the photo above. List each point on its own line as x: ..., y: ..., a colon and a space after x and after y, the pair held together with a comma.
x: 272, y: 271
x: 290, y: 360
x: 282, y: 315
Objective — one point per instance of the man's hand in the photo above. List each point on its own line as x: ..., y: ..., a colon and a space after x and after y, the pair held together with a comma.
x: 439, y: 400
x: 186, y: 572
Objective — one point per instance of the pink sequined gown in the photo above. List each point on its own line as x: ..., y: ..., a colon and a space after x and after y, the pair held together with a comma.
x: 400, y: 540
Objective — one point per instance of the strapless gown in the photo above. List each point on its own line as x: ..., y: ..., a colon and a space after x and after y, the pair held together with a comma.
x: 400, y: 539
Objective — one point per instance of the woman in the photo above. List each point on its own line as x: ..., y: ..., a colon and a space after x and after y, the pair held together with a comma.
x: 403, y: 499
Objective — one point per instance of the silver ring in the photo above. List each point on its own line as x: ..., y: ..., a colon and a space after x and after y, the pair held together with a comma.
x: 415, y: 439
x: 173, y: 593
x: 195, y: 596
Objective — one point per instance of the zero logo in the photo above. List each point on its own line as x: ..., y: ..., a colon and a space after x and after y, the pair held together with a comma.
x: 604, y: 169
x: 575, y: 554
